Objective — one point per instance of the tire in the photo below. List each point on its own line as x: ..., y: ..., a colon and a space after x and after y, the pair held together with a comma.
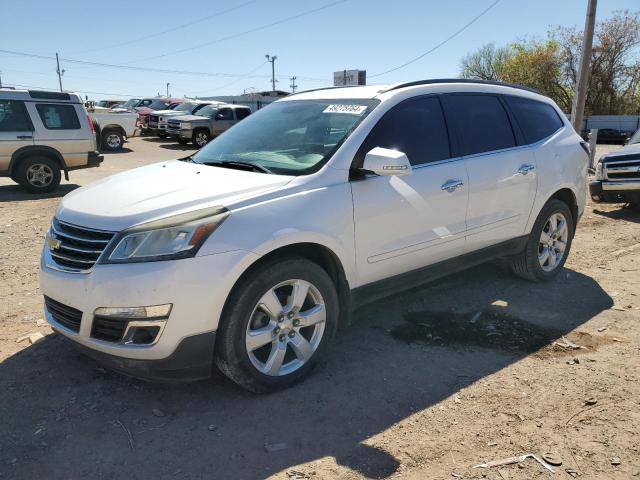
x: 162, y: 135
x: 98, y: 130
x: 112, y: 140
x: 38, y: 174
x: 182, y: 141
x: 201, y: 137
x: 298, y: 347
x: 532, y: 264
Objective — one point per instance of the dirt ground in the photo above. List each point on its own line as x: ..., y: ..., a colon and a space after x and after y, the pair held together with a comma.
x: 422, y: 386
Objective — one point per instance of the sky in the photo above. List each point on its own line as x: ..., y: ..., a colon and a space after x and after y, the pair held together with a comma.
x: 218, y: 47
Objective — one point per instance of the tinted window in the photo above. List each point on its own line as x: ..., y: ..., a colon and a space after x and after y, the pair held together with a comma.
x: 242, y: 113
x: 13, y: 117
x: 58, y: 117
x: 481, y: 123
x: 415, y: 127
x: 224, y: 114
x: 537, y: 120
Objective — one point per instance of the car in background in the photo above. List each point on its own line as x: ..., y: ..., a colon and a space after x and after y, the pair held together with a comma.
x: 148, y: 105
x: 43, y: 134
x: 209, y: 122
x: 131, y: 103
x: 613, y: 135
x: 157, y: 121
x: 109, y: 103
x: 617, y: 175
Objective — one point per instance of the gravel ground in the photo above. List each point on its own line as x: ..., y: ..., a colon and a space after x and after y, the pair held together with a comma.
x: 420, y: 386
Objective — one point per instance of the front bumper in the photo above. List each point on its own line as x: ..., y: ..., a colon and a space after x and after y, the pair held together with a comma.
x: 197, y: 287
x: 191, y: 360
x: 607, y: 191
x: 180, y: 133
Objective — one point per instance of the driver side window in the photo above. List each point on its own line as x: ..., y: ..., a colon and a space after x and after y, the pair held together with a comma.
x: 224, y: 114
x: 416, y: 127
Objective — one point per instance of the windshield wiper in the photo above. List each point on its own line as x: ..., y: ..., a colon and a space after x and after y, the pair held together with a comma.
x: 187, y: 159
x: 241, y: 165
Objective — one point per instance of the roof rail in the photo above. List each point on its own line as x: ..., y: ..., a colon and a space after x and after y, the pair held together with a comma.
x: 324, y: 88
x: 459, y: 80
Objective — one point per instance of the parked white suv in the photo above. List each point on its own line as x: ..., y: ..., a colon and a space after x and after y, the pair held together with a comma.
x: 250, y: 253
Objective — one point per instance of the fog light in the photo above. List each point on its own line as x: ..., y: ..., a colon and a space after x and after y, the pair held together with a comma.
x: 152, y: 312
x: 143, y: 332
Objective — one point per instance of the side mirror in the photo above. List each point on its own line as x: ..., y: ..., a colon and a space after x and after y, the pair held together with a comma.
x: 386, y: 162
x: 219, y: 116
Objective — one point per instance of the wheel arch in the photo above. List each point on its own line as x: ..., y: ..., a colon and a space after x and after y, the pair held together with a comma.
x: 33, y: 150
x: 314, y: 252
x: 113, y: 126
x: 567, y: 196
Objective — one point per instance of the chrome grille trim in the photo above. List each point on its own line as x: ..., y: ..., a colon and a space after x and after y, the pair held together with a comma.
x: 74, y: 248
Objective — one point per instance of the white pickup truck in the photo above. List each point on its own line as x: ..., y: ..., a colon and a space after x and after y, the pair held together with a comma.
x: 113, y: 127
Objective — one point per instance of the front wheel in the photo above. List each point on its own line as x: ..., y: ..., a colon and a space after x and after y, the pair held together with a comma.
x: 201, y: 138
x: 276, y: 324
x: 548, y: 244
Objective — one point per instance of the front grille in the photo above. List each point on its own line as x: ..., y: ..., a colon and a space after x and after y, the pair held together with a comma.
x: 109, y: 329
x: 623, y: 170
x: 153, y: 118
x: 66, y: 316
x: 76, y: 248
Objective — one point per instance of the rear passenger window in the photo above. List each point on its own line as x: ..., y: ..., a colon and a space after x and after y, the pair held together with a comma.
x: 224, y: 114
x: 242, y: 113
x: 537, y: 120
x: 58, y: 117
x: 415, y: 127
x: 481, y: 123
x: 14, y: 117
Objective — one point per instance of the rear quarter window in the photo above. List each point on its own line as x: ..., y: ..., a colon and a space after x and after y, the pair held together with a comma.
x: 242, y: 113
x: 537, y: 120
x: 58, y: 117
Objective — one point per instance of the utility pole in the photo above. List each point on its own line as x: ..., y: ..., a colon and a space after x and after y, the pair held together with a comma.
x: 168, y: 88
x: 293, y: 84
x: 582, y: 84
x: 272, y: 60
x: 59, y: 72
x: 0, y: 78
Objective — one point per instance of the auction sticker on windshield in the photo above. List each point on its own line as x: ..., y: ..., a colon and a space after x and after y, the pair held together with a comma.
x: 344, y: 108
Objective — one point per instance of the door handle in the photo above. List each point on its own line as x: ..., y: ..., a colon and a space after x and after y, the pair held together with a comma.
x: 526, y: 168
x: 23, y: 137
x: 452, y: 185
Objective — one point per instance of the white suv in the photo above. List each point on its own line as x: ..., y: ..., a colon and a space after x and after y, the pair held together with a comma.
x: 249, y: 254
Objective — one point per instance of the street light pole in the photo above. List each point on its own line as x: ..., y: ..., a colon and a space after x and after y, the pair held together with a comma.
x: 168, y: 88
x: 273, y: 70
x: 582, y: 83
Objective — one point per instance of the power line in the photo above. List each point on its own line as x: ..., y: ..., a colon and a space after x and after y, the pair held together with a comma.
x: 179, y: 27
x: 22, y: 85
x: 149, y: 69
x: 451, y: 37
x: 236, y: 35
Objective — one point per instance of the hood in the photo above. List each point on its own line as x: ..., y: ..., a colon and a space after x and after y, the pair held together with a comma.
x: 160, y: 190
x: 189, y: 118
x: 164, y: 112
x: 632, y: 149
x: 144, y: 110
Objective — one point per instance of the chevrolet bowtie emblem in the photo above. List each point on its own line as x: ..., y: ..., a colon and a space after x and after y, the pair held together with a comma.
x: 53, y: 243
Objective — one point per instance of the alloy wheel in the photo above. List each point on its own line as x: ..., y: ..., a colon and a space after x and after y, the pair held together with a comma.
x: 39, y: 175
x: 113, y: 141
x: 553, y: 242
x: 286, y: 327
x: 201, y: 139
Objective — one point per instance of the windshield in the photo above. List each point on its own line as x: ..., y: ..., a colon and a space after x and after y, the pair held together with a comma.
x: 291, y: 137
x: 185, y: 107
x: 207, y: 111
x: 131, y: 103
x: 635, y: 138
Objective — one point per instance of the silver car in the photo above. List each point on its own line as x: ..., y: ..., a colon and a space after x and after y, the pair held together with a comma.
x: 209, y: 122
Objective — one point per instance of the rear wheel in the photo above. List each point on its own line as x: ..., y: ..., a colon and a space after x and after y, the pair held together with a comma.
x: 276, y: 325
x: 182, y: 141
x: 112, y: 140
x: 201, y: 138
x: 162, y: 135
x: 548, y: 244
x: 38, y: 174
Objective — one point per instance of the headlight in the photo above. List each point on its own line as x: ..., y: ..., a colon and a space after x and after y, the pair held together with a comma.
x: 170, y: 238
x: 185, y: 125
x: 599, y: 170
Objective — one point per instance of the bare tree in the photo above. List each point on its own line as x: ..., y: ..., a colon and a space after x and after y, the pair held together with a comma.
x: 485, y: 63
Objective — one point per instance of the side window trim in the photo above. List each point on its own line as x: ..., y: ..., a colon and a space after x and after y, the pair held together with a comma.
x: 360, y: 154
x: 447, y: 109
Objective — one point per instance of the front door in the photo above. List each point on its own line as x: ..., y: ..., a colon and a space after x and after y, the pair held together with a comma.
x: 403, y: 223
x: 222, y: 121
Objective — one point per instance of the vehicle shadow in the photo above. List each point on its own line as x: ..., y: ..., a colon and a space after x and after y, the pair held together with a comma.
x: 629, y: 214
x: 15, y: 193
x: 177, y: 146
x: 156, y: 139
x: 117, y: 152
x: 381, y: 370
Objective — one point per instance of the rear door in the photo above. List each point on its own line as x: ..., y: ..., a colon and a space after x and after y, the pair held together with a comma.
x: 16, y: 130
x: 502, y: 174
x: 403, y: 223
x: 63, y: 127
